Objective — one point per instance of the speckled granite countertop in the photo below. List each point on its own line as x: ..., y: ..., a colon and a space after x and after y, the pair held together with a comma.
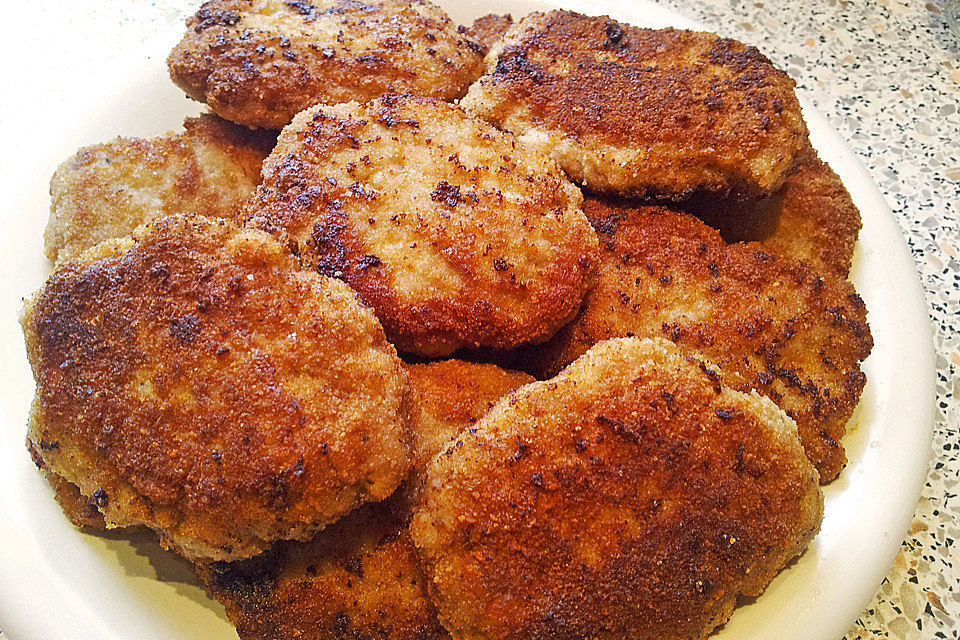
x: 886, y: 74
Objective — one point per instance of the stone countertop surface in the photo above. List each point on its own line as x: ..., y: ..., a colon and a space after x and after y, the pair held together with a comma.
x: 886, y: 75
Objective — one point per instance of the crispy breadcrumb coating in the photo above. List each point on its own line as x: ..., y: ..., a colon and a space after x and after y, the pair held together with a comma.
x: 260, y: 62
x: 107, y: 190
x: 632, y: 496
x: 360, y: 577
x: 192, y: 380
x: 770, y: 323
x: 643, y: 112
x: 811, y: 219
x: 81, y: 510
x: 489, y: 29
x: 456, y: 234
x: 453, y: 395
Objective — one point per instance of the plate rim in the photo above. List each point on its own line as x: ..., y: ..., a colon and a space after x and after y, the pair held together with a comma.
x: 18, y: 604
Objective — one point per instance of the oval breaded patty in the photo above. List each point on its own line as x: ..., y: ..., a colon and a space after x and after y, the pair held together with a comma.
x: 361, y: 578
x: 643, y: 112
x: 451, y: 230
x: 192, y: 380
x: 107, y: 190
x: 811, y: 219
x: 771, y: 323
x: 260, y: 62
x: 629, y: 497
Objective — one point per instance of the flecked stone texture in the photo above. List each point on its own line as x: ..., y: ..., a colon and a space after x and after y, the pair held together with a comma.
x: 886, y: 74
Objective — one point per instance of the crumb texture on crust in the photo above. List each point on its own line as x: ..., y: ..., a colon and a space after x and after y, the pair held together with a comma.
x: 260, y: 62
x: 770, y: 323
x: 811, y: 219
x: 198, y: 384
x: 359, y: 578
x: 489, y: 29
x: 629, y: 497
x: 456, y: 234
x: 107, y: 190
x: 453, y: 395
x: 643, y: 112
x: 81, y: 510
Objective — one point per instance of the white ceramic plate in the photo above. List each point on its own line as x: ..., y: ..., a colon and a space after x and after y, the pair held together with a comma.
x: 56, y: 582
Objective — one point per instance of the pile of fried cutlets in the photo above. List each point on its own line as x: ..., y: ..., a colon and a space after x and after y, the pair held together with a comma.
x: 528, y: 330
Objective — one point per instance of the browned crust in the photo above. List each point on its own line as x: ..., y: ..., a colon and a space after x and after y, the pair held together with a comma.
x: 81, y: 510
x: 107, y: 190
x: 360, y: 578
x: 260, y: 62
x: 485, y: 241
x: 770, y: 323
x: 630, y: 497
x: 453, y: 396
x: 250, y: 146
x: 644, y: 112
x: 488, y: 29
x: 198, y: 384
x: 811, y: 219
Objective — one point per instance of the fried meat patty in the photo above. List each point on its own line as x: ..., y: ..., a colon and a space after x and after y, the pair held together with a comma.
x: 456, y: 234
x: 360, y: 577
x: 260, y: 62
x: 770, y: 323
x: 811, y: 219
x: 643, y: 112
x: 487, y: 30
x: 107, y: 190
x: 192, y: 380
x: 632, y: 496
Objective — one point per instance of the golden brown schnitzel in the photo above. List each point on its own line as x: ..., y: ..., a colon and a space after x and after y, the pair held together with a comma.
x: 260, y: 62
x: 643, y: 112
x: 453, y: 395
x: 359, y: 578
x: 193, y: 380
x: 489, y: 29
x: 770, y: 323
x: 632, y: 496
x: 107, y: 190
x: 811, y: 219
x: 454, y: 232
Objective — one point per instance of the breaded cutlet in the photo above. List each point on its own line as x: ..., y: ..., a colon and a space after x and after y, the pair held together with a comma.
x: 191, y: 379
x: 811, y: 219
x: 360, y: 577
x: 260, y: 62
x: 107, y: 190
x: 454, y: 232
x: 770, y: 323
x: 643, y: 112
x: 632, y: 496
